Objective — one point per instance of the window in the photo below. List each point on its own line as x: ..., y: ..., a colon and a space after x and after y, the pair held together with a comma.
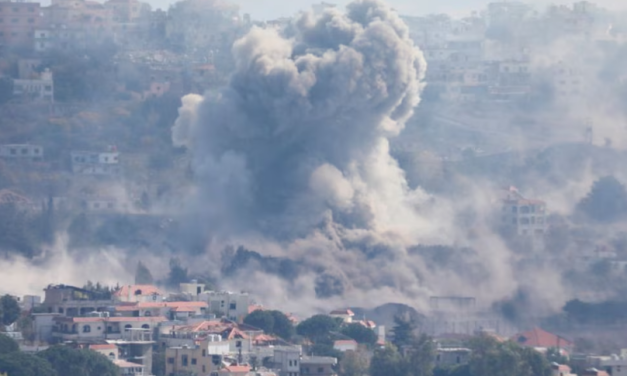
x: 170, y: 360
x: 204, y: 353
x: 222, y: 304
x: 145, y: 326
x: 232, y: 306
x: 514, y: 221
x: 86, y: 329
x: 524, y: 209
x: 524, y: 221
x: 184, y: 360
x: 320, y: 369
x: 238, y: 344
x: 127, y: 327
x: 193, y: 361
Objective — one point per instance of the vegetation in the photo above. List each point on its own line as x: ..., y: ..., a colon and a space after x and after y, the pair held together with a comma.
x: 360, y: 333
x: 606, y: 202
x: 67, y: 361
x: 18, y: 363
x: 9, y: 310
x: 272, y: 322
x: 8, y: 345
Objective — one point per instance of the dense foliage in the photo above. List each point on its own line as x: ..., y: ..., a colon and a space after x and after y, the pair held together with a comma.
x: 67, y: 361
x: 272, y: 322
x: 9, y: 310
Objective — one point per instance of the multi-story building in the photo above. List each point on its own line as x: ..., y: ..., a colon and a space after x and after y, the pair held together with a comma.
x: 138, y: 293
x: 22, y: 151
x: 317, y: 366
x: 35, y: 89
x: 200, y: 358
x: 18, y: 22
x: 73, y: 301
x: 524, y: 216
x: 101, y: 326
x: 233, y: 306
x: 96, y: 163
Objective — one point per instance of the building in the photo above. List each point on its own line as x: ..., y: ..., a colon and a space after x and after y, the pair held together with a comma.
x: 562, y: 370
x: 345, y: 314
x: 73, y: 301
x: 109, y: 350
x: 102, y: 327
x: 542, y: 340
x: 171, y: 310
x: 21, y: 203
x: 345, y: 345
x: 200, y: 358
x: 22, y: 151
x: 617, y: 366
x: 39, y: 89
x: 96, y: 163
x: 18, y: 22
x: 524, y: 216
x: 138, y: 293
x: 233, y: 306
x: 451, y: 356
x: 287, y: 361
x: 317, y: 365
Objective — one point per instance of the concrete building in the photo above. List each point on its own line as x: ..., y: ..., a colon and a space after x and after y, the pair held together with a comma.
x: 22, y: 151
x: 103, y: 327
x: 73, y: 301
x: 233, y: 306
x: 317, y: 366
x: 18, y: 22
x: 201, y: 357
x: 451, y: 357
x: 138, y: 293
x: 524, y: 216
x: 345, y: 345
x: 96, y: 163
x: 35, y: 89
x: 287, y: 361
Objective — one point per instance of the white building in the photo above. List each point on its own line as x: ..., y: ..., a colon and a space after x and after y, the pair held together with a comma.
x: 345, y: 345
x: 39, y: 89
x: 525, y: 216
x: 345, y: 314
x: 96, y: 163
x: 22, y: 151
x: 233, y: 306
x: 287, y: 361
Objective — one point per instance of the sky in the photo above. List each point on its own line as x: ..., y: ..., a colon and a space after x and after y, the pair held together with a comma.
x: 271, y: 9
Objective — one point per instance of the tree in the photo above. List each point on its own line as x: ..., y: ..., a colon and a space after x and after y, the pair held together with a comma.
x: 143, y: 275
x: 317, y: 327
x: 8, y: 345
x: 260, y: 319
x: 360, y: 333
x: 386, y: 362
x: 10, y: 309
x: 354, y: 363
x: 420, y: 355
x: 67, y: 361
x: 22, y: 364
x: 158, y: 363
x: 606, y: 201
x: 283, y: 326
x: 403, y: 332
x: 492, y: 358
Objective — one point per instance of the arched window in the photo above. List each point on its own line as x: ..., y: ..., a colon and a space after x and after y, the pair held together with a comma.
x: 138, y: 292
x: 127, y: 327
x: 112, y: 356
x: 86, y: 328
x: 145, y: 326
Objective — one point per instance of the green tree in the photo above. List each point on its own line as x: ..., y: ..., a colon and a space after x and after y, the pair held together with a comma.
x: 386, y: 362
x: 420, y: 355
x: 403, y: 332
x: 553, y: 355
x: 606, y: 201
x: 67, y: 361
x: 354, y: 363
x: 283, y: 326
x: 360, y: 333
x: 143, y: 275
x: 261, y: 319
x: 8, y: 345
x: 22, y: 364
x: 317, y: 327
x: 10, y: 310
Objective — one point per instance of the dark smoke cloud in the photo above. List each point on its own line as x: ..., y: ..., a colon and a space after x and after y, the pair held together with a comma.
x: 292, y: 160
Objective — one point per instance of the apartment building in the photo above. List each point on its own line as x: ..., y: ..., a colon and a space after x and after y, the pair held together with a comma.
x: 22, y: 151
x: 525, y: 216
x: 96, y: 163
x: 18, y: 22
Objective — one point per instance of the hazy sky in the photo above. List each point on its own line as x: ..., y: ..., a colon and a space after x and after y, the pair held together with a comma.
x: 269, y: 9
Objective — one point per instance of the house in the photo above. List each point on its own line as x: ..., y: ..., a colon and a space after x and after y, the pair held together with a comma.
x: 233, y: 370
x: 561, y: 370
x: 35, y: 89
x: 233, y: 306
x: 138, y: 293
x: 542, y: 340
x: 130, y: 368
x: 24, y: 19
x: 524, y: 216
x: 451, y: 357
x: 171, y: 310
x: 317, y: 366
x: 287, y: 361
x: 109, y: 350
x: 20, y: 202
x: 616, y: 366
x: 594, y: 372
x: 96, y: 163
x: 102, y: 327
x: 22, y: 151
x: 345, y: 314
x: 201, y: 357
x: 73, y: 301
x: 345, y: 345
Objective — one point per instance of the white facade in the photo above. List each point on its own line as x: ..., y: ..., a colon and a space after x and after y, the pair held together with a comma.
x: 233, y: 306
x: 287, y: 361
x: 345, y: 345
x: 618, y: 366
x: 22, y: 151
x: 41, y: 89
x: 94, y: 163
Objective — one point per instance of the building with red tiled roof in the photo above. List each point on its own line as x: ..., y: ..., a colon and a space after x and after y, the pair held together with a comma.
x: 542, y: 340
x: 344, y: 314
x: 172, y: 310
x: 345, y: 345
x: 102, y: 328
x: 234, y: 370
x: 138, y: 293
x: 107, y: 349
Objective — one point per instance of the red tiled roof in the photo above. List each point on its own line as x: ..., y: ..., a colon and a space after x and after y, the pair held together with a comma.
x: 345, y: 342
x: 147, y: 305
x: 137, y: 290
x: 106, y: 346
x: 232, y: 333
x: 10, y: 197
x: 541, y: 338
x: 236, y: 369
x: 367, y: 323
